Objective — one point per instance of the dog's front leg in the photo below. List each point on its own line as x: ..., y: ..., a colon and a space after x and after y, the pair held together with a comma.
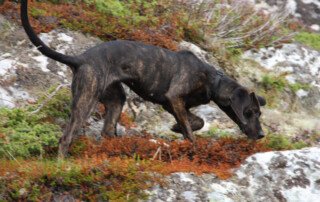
x: 181, y: 116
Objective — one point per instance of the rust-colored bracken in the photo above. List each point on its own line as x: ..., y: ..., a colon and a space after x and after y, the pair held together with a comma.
x: 205, y: 156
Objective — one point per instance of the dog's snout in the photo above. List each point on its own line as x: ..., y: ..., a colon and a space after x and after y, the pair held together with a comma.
x: 260, y: 134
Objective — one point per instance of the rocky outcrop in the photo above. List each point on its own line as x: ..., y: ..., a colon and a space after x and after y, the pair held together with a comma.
x: 299, y: 63
x: 289, y: 176
x: 294, y: 112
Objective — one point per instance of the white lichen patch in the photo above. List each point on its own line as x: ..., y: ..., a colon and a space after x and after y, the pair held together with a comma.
x: 185, y: 177
x: 46, y: 37
x: 315, y: 27
x: 189, y: 196
x: 6, y: 100
x: 302, y: 93
x: 316, y: 2
x: 10, y: 96
x: 64, y: 37
x: 42, y: 62
x: 5, y: 66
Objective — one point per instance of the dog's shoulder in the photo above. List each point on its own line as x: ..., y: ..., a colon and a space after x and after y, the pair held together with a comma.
x: 186, y: 53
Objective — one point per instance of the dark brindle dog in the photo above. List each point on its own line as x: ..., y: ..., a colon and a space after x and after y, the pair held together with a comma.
x: 176, y: 80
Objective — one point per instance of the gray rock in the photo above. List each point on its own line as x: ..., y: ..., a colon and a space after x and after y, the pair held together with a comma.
x: 273, y: 176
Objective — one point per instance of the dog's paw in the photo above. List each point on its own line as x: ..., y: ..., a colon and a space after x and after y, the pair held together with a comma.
x: 176, y: 128
x: 196, y: 124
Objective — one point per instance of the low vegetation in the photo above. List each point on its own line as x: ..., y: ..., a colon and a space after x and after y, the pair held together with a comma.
x: 215, y: 132
x: 116, y: 169
x: 282, y: 142
x: 272, y: 86
x: 310, y: 39
x: 90, y: 179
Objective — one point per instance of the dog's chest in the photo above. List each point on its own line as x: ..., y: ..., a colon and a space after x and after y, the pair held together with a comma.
x: 155, y: 95
x: 199, y: 97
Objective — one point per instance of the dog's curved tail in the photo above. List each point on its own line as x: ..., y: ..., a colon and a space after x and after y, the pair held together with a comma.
x: 72, y: 61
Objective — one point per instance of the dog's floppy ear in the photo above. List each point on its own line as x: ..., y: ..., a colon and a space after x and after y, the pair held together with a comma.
x: 262, y: 101
x: 255, y: 99
x: 239, y: 100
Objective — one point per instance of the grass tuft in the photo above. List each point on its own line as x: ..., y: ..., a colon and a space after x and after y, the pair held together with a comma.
x: 310, y: 39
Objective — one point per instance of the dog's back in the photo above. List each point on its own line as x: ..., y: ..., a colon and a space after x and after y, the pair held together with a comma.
x: 148, y: 70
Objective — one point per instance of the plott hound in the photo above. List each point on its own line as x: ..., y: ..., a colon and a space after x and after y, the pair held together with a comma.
x: 176, y: 80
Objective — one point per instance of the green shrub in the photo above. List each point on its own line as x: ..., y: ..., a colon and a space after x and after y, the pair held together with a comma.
x: 297, y: 86
x: 25, y: 135
x: 282, y: 142
x: 37, y: 12
x: 272, y: 82
x: 128, y: 12
x: 113, y: 7
x: 32, y: 131
x: 310, y: 39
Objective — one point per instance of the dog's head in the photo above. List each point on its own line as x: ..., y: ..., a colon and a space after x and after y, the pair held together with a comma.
x: 244, y: 109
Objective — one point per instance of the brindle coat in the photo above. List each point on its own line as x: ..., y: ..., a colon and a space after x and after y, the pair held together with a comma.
x: 176, y: 80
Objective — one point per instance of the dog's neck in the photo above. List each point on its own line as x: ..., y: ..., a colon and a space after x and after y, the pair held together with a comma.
x: 222, y: 88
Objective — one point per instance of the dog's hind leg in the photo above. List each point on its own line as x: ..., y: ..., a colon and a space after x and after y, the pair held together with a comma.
x: 113, y: 101
x: 84, y: 91
x: 196, y: 123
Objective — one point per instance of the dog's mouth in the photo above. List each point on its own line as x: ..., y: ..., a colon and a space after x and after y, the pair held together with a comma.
x: 253, y: 136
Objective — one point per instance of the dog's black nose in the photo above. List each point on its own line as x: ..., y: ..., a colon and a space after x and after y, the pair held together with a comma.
x: 260, y: 134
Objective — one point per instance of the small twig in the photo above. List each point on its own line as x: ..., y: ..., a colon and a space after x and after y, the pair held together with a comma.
x: 156, y: 154
x: 13, y: 157
x: 169, y: 151
x: 49, y: 98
